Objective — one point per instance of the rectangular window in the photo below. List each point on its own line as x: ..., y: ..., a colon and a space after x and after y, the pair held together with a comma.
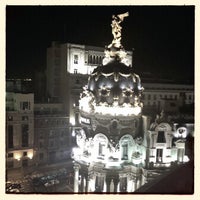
x: 51, y: 143
x: 149, y: 97
x: 161, y: 137
x: 41, y: 135
x: 10, y: 164
x: 41, y: 145
x: 10, y: 136
x: 10, y: 155
x: 25, y: 153
x: 25, y: 105
x: 75, y: 59
x: 154, y: 97
x: 75, y: 71
x: 24, y: 118
x: 125, y: 151
x: 159, y: 155
x: 101, y: 149
x: 172, y: 104
x: 25, y: 135
x: 10, y: 118
x: 41, y: 156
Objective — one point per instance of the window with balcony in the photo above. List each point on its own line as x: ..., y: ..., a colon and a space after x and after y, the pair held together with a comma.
x: 75, y: 59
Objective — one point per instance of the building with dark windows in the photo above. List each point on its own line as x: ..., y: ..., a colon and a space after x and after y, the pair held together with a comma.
x: 20, y: 150
x: 52, y: 134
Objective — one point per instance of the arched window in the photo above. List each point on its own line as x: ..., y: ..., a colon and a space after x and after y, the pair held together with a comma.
x: 101, y: 142
x: 125, y: 142
x: 97, y: 60
x: 93, y: 61
x: 100, y: 60
x: 90, y: 59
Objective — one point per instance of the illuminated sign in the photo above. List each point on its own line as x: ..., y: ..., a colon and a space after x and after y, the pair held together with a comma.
x: 85, y: 120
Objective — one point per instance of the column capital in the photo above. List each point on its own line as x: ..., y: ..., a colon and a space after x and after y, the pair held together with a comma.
x: 76, y: 166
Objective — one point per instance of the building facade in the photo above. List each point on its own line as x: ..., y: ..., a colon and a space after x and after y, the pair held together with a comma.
x: 117, y: 146
x: 68, y: 69
x: 68, y: 66
x: 20, y: 150
x: 52, y: 134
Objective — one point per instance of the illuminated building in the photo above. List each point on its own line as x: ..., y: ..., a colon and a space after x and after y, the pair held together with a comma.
x: 117, y: 147
x: 19, y: 125
x: 68, y: 66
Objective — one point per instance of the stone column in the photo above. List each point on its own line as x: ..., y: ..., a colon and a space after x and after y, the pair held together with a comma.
x: 76, y: 175
x: 108, y: 180
x: 87, y: 184
x: 82, y: 183
x: 112, y: 186
x: 116, y: 181
x: 136, y: 180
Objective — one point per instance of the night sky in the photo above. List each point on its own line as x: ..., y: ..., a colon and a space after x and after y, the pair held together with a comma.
x: 162, y: 36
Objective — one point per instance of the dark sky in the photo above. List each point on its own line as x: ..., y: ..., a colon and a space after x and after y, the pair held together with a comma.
x: 162, y: 36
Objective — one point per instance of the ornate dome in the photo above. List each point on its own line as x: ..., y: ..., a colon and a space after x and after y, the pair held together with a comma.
x: 113, y: 85
x: 113, y: 88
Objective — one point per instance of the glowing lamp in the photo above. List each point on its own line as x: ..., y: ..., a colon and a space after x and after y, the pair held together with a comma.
x: 30, y: 155
x: 17, y: 156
